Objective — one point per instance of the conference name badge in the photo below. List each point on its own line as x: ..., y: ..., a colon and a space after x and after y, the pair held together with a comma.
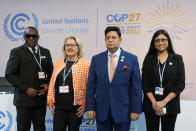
x: 41, y: 75
x: 64, y: 89
x: 158, y: 91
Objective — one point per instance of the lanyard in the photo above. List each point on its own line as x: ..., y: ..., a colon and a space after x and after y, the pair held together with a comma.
x: 65, y: 75
x: 38, y: 62
x: 161, y: 73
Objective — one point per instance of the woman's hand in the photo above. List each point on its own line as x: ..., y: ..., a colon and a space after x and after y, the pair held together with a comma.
x: 160, y: 113
x: 80, y: 112
x: 51, y: 107
x: 158, y: 106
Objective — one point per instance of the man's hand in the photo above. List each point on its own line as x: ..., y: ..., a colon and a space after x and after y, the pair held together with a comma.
x: 44, y: 90
x: 32, y: 92
x: 51, y: 107
x: 80, y: 111
x: 134, y: 116
x: 91, y: 114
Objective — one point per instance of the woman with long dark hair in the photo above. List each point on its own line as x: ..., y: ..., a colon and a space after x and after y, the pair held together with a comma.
x: 163, y: 79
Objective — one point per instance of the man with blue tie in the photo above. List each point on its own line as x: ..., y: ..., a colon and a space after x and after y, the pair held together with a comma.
x: 114, y: 89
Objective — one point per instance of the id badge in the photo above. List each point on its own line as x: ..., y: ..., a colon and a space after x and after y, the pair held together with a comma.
x: 158, y: 91
x: 64, y: 89
x: 41, y: 75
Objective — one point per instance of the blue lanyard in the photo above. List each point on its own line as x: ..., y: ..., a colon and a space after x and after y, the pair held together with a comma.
x: 65, y: 76
x: 161, y: 73
x: 38, y: 62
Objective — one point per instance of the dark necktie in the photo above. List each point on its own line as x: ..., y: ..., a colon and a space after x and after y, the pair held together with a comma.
x: 35, y: 54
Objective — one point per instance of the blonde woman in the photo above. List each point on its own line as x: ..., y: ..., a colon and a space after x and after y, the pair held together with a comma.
x: 67, y: 88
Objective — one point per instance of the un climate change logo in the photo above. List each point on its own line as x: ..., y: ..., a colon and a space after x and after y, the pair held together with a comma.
x: 14, y: 25
x: 5, y: 121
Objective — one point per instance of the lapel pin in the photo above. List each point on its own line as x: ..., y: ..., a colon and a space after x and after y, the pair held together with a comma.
x: 170, y: 63
x: 122, y: 60
x: 43, y: 57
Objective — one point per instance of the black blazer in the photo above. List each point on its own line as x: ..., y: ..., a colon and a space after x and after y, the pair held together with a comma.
x: 173, y: 81
x: 22, y: 72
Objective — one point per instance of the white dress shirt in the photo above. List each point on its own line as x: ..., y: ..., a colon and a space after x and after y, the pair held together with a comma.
x: 30, y: 48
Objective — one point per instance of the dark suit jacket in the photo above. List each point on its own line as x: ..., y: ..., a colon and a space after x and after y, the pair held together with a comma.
x: 173, y: 81
x: 22, y: 72
x: 122, y: 96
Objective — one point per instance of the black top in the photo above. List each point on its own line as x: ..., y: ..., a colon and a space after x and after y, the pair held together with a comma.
x: 64, y: 100
x: 161, y: 66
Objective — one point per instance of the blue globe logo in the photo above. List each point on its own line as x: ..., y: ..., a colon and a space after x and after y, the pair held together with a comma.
x: 3, y: 124
x: 14, y: 26
x: 2, y: 115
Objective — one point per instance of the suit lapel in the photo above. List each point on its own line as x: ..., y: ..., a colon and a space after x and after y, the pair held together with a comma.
x: 155, y: 69
x: 27, y: 50
x: 120, y: 63
x: 165, y: 73
x: 31, y: 57
x: 105, y: 66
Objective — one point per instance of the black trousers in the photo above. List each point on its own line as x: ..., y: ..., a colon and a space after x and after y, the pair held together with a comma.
x: 64, y: 118
x: 26, y: 115
x: 167, y: 122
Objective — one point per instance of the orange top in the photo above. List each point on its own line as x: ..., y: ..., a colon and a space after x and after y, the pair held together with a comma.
x: 80, y: 76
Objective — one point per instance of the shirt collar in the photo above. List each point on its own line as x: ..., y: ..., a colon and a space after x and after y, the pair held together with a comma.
x: 30, y: 48
x: 36, y: 47
x: 117, y: 53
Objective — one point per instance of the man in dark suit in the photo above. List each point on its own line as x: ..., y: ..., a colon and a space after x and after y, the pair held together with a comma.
x: 29, y: 69
x: 114, y: 89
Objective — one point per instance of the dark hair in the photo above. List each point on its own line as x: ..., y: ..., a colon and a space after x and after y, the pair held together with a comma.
x: 152, y: 50
x: 113, y: 28
x: 32, y: 28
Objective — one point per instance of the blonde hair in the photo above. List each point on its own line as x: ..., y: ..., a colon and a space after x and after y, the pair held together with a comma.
x: 79, y: 45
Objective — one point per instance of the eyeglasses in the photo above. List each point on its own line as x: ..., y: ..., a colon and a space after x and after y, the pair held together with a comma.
x: 34, y: 36
x: 157, y: 41
x: 70, y: 45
